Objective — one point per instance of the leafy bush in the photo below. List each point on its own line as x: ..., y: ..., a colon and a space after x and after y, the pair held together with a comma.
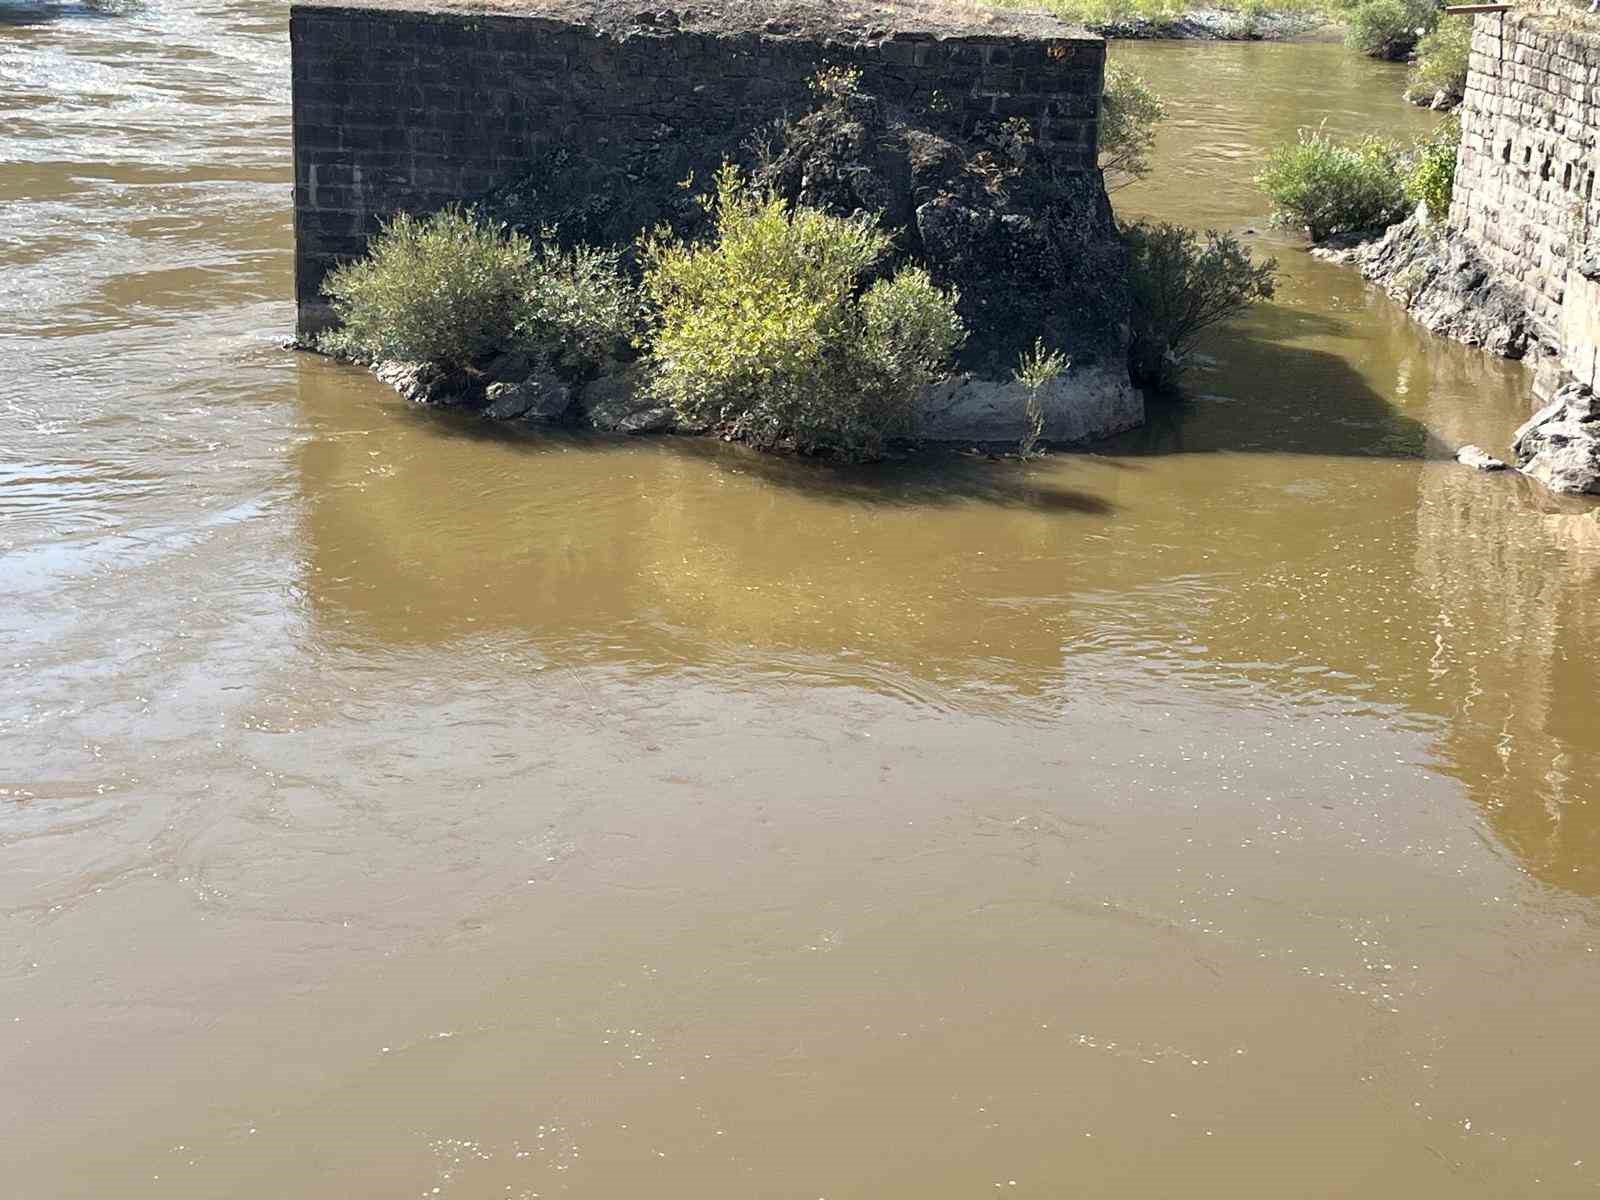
x: 1183, y: 284
x: 445, y: 289
x: 1130, y: 110
x: 1389, y: 29
x: 454, y: 289
x: 1036, y: 370
x: 1442, y: 55
x: 1431, y: 176
x: 765, y: 333
x: 1329, y: 187
x: 909, y: 329
x: 578, y: 308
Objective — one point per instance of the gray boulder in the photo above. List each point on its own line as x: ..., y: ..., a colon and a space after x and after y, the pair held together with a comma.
x: 1080, y: 405
x: 1478, y: 459
x: 1445, y: 284
x: 539, y: 397
x: 1560, y: 444
x: 616, y: 401
x: 512, y: 367
x: 419, y: 382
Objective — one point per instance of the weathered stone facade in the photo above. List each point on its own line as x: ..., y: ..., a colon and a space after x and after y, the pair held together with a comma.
x: 1525, y: 175
x: 409, y: 107
x: 1580, y: 320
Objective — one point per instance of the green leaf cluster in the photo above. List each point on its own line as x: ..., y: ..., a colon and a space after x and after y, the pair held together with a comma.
x: 579, y: 308
x: 771, y: 333
x: 1130, y: 111
x: 1330, y: 187
x: 1039, y: 367
x: 1431, y: 176
x: 1036, y: 369
x: 1442, y: 55
x: 445, y: 288
x: 454, y: 289
x: 1184, y: 283
x: 1389, y: 29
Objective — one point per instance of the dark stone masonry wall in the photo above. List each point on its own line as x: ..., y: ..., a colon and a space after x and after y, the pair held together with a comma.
x: 407, y: 109
x: 1525, y: 175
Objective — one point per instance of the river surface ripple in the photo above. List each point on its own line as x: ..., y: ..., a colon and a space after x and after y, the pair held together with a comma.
x: 393, y: 805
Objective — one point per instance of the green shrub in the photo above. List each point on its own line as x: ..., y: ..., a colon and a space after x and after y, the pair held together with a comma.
x: 1130, y: 110
x: 1329, y: 187
x: 578, y: 308
x: 1431, y: 176
x: 1182, y: 284
x: 1389, y: 29
x: 454, y: 288
x: 445, y: 289
x: 909, y: 329
x: 766, y: 334
x: 1442, y: 55
x: 1036, y: 370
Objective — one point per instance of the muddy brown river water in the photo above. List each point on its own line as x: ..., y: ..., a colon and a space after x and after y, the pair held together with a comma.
x: 395, y: 806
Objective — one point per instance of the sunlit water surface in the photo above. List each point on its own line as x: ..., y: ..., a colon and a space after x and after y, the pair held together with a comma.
x: 395, y: 805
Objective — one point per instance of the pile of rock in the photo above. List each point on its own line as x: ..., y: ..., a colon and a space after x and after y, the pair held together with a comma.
x: 1078, y: 406
x: 1479, y: 459
x: 1444, y: 282
x: 989, y: 207
x: 514, y: 387
x: 1560, y: 444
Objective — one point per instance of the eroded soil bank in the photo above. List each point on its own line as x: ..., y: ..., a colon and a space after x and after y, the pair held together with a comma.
x: 392, y: 803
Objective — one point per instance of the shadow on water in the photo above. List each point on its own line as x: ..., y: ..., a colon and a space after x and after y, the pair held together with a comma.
x: 1272, y: 397
x: 931, y: 476
x: 935, y: 475
x: 1264, y: 394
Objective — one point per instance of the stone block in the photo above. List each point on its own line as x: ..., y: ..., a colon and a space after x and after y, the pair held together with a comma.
x: 398, y: 108
x: 1081, y: 405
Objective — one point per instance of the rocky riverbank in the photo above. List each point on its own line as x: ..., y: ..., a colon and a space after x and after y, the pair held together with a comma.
x: 1437, y: 99
x: 1444, y: 283
x: 1218, y: 25
x: 1560, y: 444
x: 1447, y: 286
x: 1085, y: 404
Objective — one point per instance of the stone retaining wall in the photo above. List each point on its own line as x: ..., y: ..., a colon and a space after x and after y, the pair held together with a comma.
x: 1525, y: 175
x: 401, y: 108
x: 1580, y: 321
